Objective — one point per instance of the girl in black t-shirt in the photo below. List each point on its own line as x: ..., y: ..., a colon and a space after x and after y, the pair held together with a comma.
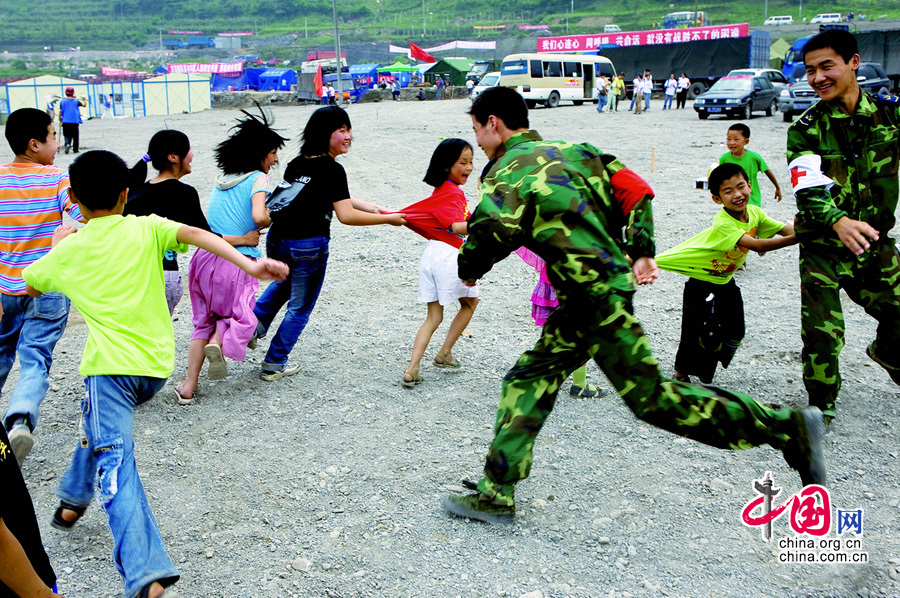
x: 165, y: 195
x: 300, y: 232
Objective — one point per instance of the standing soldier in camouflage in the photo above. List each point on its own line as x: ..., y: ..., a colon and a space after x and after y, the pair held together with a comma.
x: 569, y: 204
x: 843, y: 155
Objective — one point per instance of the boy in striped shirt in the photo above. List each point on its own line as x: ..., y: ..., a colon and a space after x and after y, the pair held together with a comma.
x: 33, y: 196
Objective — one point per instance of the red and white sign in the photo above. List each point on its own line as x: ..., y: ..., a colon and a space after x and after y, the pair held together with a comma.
x: 180, y: 32
x: 218, y: 68
x: 580, y: 43
x: 235, y: 34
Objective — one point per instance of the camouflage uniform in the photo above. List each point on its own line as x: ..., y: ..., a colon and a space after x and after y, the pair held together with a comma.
x: 859, y: 152
x: 555, y: 198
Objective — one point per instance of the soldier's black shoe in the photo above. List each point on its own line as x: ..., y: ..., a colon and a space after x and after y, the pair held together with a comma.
x: 804, y: 450
x: 892, y: 371
x: 477, y: 506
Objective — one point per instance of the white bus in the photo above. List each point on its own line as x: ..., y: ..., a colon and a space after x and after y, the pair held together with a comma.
x: 551, y: 78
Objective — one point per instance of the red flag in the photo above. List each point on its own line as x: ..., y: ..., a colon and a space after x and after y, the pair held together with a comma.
x: 420, y: 54
x: 317, y: 81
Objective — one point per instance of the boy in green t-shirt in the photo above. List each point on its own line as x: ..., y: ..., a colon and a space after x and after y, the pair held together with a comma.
x: 709, y: 260
x: 129, y: 352
x: 737, y: 139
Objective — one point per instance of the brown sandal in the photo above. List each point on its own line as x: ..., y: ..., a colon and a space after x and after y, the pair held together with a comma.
x: 415, y: 379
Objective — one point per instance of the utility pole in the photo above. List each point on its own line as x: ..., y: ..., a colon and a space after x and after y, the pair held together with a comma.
x: 337, y: 51
x: 423, y: 19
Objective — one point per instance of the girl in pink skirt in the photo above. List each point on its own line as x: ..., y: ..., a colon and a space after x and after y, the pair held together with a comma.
x: 222, y: 295
x: 543, y: 302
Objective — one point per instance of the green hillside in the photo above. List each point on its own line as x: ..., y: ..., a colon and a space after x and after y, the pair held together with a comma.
x: 127, y: 24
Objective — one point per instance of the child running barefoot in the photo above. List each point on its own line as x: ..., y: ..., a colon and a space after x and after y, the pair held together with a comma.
x: 543, y: 302
x: 222, y: 295
x: 441, y: 218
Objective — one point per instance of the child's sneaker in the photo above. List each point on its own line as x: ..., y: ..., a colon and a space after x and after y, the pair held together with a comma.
x: 270, y: 374
x: 588, y: 392
x: 478, y: 506
x: 20, y: 439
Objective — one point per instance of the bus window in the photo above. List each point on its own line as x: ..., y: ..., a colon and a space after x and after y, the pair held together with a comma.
x: 552, y: 69
x: 513, y: 67
x: 572, y: 69
x: 536, y: 71
x: 605, y: 68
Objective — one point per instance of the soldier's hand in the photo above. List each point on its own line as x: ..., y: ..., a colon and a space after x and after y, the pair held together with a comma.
x: 853, y: 233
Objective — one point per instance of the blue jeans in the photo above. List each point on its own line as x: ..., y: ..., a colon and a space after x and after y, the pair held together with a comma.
x: 646, y: 101
x: 601, y: 102
x: 667, y: 104
x: 108, y: 409
x: 307, y: 259
x: 30, y: 327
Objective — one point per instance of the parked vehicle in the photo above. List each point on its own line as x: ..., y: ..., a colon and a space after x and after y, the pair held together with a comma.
x: 487, y: 81
x: 480, y: 68
x: 778, y: 81
x: 785, y: 20
x: 796, y: 100
x: 828, y: 17
x: 738, y: 97
x: 612, y: 29
x: 872, y: 78
x: 685, y: 18
x: 551, y: 78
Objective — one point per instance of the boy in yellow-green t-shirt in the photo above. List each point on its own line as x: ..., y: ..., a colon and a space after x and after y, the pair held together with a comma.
x: 712, y: 320
x: 112, y: 271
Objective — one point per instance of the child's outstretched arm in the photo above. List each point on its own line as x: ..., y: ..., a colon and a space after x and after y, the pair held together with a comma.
x: 771, y: 176
x: 762, y: 245
x: 264, y: 268
x: 347, y: 213
x: 367, y: 206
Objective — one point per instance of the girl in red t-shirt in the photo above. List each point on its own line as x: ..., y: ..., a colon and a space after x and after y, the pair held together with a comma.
x: 441, y: 218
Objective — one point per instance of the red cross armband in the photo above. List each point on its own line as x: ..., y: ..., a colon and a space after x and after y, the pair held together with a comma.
x: 629, y: 189
x: 806, y: 172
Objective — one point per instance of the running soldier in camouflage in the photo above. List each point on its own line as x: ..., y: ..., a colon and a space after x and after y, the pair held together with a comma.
x: 569, y: 203
x: 843, y: 156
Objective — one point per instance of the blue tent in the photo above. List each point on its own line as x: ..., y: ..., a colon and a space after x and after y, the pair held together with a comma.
x: 160, y: 70
x: 277, y: 80
x: 253, y: 76
x: 239, y: 83
x: 365, y: 75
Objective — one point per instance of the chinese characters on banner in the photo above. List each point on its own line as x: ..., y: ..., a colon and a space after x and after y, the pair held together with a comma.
x: 219, y: 68
x: 580, y: 43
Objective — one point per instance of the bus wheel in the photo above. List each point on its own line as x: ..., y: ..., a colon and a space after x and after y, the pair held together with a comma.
x: 552, y: 100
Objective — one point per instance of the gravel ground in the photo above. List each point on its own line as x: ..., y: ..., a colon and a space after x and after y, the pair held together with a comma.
x: 328, y: 483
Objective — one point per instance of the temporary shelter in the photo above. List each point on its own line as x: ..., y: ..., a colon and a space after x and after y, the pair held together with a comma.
x: 277, y: 80
x: 455, y: 67
x: 365, y: 75
x: 397, y: 70
x: 33, y: 93
x: 176, y: 93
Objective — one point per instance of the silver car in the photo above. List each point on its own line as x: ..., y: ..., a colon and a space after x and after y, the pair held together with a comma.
x: 796, y: 100
x: 778, y: 80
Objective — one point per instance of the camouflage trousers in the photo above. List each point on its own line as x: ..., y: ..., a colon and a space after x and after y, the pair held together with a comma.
x: 872, y: 283
x: 605, y: 330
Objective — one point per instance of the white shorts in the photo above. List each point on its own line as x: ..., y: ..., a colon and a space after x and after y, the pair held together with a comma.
x: 438, y: 276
